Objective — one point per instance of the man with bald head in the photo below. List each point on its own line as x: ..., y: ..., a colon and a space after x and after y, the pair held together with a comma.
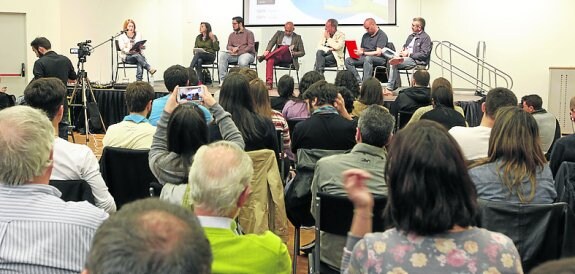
x: 219, y: 183
x: 287, y: 47
x: 372, y: 42
x: 150, y: 236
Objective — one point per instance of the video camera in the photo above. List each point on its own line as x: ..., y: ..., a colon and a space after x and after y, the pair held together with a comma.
x: 84, y: 49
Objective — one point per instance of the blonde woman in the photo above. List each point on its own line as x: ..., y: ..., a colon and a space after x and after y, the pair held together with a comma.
x: 130, y: 55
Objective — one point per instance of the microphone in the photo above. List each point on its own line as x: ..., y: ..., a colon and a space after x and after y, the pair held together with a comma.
x: 124, y: 31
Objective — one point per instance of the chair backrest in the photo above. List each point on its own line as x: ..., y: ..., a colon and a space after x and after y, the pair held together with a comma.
x: 291, y: 126
x: 298, y: 192
x: 74, y: 190
x: 127, y: 174
x: 402, y: 119
x: 117, y: 45
x: 541, y: 232
x: 335, y: 213
x: 565, y: 184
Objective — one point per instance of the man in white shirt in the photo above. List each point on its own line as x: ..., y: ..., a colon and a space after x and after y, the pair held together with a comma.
x: 71, y: 161
x: 474, y: 141
x: 39, y: 232
x: 135, y: 132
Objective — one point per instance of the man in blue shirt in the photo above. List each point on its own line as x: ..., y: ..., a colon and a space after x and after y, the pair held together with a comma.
x: 176, y: 75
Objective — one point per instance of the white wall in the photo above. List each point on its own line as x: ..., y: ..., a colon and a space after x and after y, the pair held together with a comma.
x: 523, y: 39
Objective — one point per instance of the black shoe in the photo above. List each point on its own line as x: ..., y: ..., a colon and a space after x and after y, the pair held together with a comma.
x: 261, y: 58
x: 307, y: 248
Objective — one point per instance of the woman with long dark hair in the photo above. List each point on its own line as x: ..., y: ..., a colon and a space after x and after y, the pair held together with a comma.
x: 515, y: 169
x: 297, y: 108
x: 207, y: 41
x: 257, y: 130
x: 432, y: 206
x: 371, y: 93
x: 443, y: 110
x: 180, y: 132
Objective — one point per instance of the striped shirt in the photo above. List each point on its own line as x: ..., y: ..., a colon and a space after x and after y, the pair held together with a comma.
x: 40, y: 233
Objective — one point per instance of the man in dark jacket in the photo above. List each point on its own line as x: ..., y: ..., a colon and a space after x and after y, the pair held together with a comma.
x: 418, y: 95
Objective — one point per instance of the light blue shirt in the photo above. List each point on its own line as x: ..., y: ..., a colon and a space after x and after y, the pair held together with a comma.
x: 136, y: 118
x: 40, y: 233
x: 158, y: 107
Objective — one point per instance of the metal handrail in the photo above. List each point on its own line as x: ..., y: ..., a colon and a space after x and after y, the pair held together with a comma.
x: 445, y: 51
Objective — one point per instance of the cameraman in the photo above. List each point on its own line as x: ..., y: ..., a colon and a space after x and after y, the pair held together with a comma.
x: 51, y: 64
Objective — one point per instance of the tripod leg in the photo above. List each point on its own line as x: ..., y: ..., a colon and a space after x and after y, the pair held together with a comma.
x: 96, y: 102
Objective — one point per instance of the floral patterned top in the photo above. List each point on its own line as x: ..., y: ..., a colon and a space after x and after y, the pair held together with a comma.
x: 475, y: 250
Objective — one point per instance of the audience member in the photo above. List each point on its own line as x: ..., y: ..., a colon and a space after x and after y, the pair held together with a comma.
x: 562, y: 266
x: 181, y: 131
x: 437, y: 83
x: 209, y: 43
x: 443, y: 110
x: 240, y: 48
x: 176, y: 75
x: 415, y: 52
x: 71, y: 161
x: 40, y: 232
x: 416, y: 96
x: 296, y: 108
x: 348, y: 98
x: 288, y: 48
x: 548, y: 125
x: 262, y: 107
x: 219, y: 186
x: 249, y: 73
x: 474, y: 141
x: 330, y: 125
x: 135, y: 131
x: 515, y: 169
x: 258, y: 131
x: 434, y: 232
x: 345, y: 78
x: 373, y: 132
x: 372, y: 42
x: 564, y: 148
x: 150, y: 236
x: 330, y: 48
x: 6, y: 100
x: 371, y: 93
x: 285, y: 91
x: 51, y: 64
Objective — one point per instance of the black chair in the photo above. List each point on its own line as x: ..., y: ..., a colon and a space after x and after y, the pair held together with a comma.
x: 391, y: 46
x: 74, y: 190
x: 402, y: 119
x: 252, y: 65
x: 541, y: 232
x: 283, y: 163
x: 120, y: 64
x: 291, y: 125
x: 565, y: 184
x: 213, y: 66
x: 285, y: 66
x: 127, y: 174
x: 298, y: 193
x: 334, y: 214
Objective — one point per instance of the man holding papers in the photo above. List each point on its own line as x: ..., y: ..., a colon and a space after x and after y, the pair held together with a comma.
x: 288, y: 47
x: 416, y: 51
x: 330, y: 48
x: 369, y: 52
x: 240, y: 48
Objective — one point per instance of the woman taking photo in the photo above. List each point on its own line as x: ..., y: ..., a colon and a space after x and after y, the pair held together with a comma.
x: 432, y: 205
x: 208, y: 42
x: 180, y: 132
x: 515, y: 169
x: 131, y: 55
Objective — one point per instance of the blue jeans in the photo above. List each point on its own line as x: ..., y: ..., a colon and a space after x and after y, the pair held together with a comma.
x: 407, y: 63
x: 243, y: 60
x: 368, y: 63
x: 323, y: 59
x: 140, y: 60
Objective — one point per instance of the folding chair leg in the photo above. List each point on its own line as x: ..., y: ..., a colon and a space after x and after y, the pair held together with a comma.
x: 295, y: 250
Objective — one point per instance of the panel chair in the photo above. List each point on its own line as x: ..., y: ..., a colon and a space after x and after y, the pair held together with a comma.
x: 335, y: 68
x: 285, y: 66
x: 541, y: 232
x: 120, y: 64
x: 252, y: 65
x: 213, y: 66
x: 74, y: 190
x: 334, y: 214
x: 127, y: 174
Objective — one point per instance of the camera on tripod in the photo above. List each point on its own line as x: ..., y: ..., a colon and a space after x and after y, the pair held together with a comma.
x: 84, y: 49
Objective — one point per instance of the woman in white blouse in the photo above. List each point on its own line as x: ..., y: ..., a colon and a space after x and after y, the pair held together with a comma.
x: 132, y: 55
